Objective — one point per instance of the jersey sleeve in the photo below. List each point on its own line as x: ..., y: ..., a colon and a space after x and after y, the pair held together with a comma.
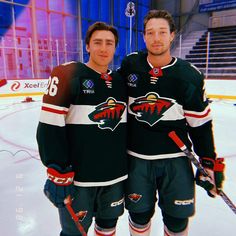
x: 198, y: 116
x: 51, y: 131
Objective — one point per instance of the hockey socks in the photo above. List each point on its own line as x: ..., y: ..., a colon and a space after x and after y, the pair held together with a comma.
x: 98, y: 231
x: 139, y: 230
x: 167, y: 232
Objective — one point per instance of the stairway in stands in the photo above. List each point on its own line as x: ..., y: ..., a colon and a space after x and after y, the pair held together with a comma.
x: 222, y: 53
x: 183, y: 47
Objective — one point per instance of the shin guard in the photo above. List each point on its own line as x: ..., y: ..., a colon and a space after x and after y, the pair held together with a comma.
x: 139, y: 230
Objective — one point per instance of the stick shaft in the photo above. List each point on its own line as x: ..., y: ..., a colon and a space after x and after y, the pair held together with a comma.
x: 75, y: 218
x: 198, y: 165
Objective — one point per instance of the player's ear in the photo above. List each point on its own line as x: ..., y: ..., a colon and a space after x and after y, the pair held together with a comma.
x: 144, y: 37
x: 87, y: 48
x: 172, y: 36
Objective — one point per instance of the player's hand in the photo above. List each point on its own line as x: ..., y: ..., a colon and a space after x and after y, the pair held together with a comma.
x: 59, y: 185
x: 215, y: 169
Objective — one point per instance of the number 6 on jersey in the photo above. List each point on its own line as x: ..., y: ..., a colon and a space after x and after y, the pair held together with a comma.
x: 52, y: 86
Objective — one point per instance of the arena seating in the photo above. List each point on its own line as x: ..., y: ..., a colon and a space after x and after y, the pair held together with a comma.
x: 222, y: 53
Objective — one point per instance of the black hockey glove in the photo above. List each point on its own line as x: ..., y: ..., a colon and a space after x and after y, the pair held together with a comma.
x: 215, y: 169
x: 59, y: 185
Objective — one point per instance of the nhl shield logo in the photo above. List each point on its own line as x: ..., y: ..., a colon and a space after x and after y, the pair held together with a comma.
x: 156, y: 72
x: 150, y: 108
x: 108, y: 114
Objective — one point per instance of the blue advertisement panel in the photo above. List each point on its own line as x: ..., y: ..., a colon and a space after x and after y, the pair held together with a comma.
x: 216, y: 5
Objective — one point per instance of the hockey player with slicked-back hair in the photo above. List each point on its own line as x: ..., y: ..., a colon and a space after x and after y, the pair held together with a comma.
x: 165, y: 94
x: 82, y: 138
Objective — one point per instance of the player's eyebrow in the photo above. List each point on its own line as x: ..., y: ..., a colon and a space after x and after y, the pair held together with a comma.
x: 110, y: 40
x: 107, y: 40
x: 162, y: 28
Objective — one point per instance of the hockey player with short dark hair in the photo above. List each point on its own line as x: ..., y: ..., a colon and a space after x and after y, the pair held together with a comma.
x: 82, y: 137
x: 165, y: 94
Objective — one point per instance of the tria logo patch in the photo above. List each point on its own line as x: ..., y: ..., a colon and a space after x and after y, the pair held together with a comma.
x: 150, y: 108
x: 88, y: 86
x: 134, y: 197
x: 132, y: 80
x: 108, y: 114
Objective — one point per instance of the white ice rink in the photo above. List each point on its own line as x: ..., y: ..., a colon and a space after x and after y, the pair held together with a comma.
x: 25, y: 211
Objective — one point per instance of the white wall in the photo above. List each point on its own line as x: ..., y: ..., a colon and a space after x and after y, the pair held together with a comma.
x: 223, y: 18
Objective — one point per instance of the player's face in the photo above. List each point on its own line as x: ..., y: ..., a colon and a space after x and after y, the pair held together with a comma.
x: 158, y: 37
x: 101, y: 48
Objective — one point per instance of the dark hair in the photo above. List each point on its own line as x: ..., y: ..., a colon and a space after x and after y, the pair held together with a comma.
x: 159, y: 14
x: 101, y: 26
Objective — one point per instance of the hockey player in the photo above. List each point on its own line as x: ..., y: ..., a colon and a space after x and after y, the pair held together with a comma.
x: 165, y: 94
x: 82, y: 136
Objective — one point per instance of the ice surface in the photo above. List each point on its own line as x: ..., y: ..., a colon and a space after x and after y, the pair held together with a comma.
x: 25, y: 211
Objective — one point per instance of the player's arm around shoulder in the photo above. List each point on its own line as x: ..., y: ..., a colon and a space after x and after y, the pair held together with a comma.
x: 127, y: 64
x: 52, y: 137
x: 60, y: 84
x: 51, y: 133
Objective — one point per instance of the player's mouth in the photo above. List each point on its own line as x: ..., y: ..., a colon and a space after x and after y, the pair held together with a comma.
x: 157, y: 45
x: 103, y: 56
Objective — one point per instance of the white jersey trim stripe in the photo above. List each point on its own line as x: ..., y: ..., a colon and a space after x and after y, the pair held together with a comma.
x: 176, y: 112
x: 195, y: 122
x: 196, y: 119
x: 156, y: 157
x: 76, y: 114
x: 53, y: 115
x: 98, y: 184
x: 52, y: 118
x: 198, y: 114
x: 54, y: 107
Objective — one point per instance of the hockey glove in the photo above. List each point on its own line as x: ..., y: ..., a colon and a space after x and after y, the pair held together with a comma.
x: 59, y: 185
x: 213, y: 182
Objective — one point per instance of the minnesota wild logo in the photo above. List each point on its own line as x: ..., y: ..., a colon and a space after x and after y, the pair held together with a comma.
x: 150, y: 108
x: 134, y: 197
x: 108, y: 114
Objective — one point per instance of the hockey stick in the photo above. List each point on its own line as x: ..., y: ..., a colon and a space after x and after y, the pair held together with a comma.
x: 192, y: 157
x: 75, y: 218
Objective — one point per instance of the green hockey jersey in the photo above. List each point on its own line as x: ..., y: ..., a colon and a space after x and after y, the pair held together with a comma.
x: 83, y: 124
x: 170, y: 98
